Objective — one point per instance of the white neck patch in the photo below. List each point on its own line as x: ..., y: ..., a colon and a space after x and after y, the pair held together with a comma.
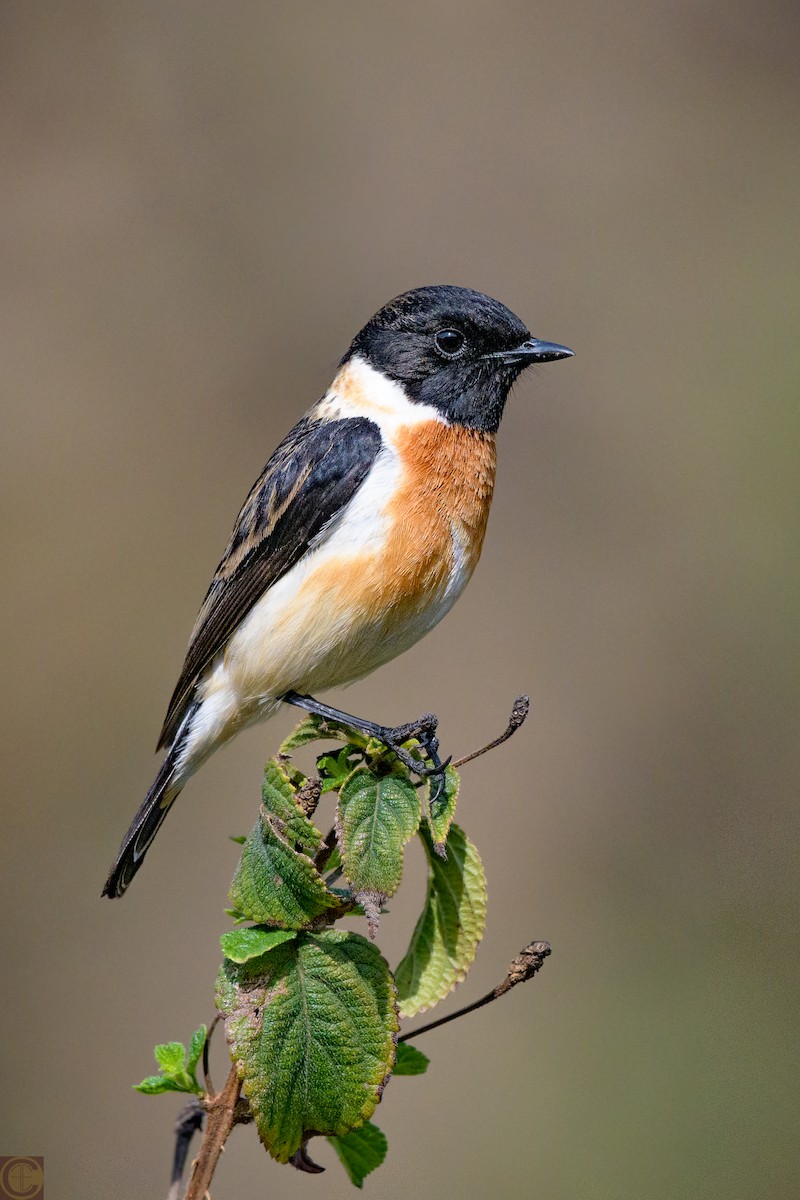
x: 359, y: 390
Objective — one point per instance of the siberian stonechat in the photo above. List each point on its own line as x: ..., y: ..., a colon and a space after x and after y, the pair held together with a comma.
x: 358, y: 536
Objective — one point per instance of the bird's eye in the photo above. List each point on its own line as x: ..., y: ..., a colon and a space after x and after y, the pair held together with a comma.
x: 449, y: 342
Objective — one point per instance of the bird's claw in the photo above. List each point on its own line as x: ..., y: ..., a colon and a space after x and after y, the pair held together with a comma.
x: 424, y: 730
x: 393, y: 738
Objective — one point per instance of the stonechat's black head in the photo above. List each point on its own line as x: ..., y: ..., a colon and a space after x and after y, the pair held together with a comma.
x: 452, y: 348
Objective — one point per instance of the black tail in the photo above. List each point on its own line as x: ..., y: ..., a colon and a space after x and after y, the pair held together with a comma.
x: 144, y: 827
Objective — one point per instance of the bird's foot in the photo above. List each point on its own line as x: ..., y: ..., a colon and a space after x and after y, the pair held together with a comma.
x: 424, y: 730
x: 393, y: 737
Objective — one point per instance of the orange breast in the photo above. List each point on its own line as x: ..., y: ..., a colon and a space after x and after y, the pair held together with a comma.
x: 439, y: 515
x: 435, y: 524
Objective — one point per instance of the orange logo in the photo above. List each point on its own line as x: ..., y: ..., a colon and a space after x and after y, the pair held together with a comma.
x: 21, y: 1178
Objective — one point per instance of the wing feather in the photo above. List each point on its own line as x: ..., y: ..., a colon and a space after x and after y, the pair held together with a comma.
x: 312, y: 475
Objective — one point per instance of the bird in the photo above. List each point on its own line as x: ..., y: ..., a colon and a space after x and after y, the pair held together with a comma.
x: 357, y: 538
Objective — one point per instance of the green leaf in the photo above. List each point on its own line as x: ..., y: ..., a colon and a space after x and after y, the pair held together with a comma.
x: 196, y: 1049
x: 293, y: 773
x: 154, y: 1085
x: 440, y: 811
x: 376, y: 816
x: 410, y: 1060
x: 319, y: 729
x: 240, y: 945
x: 307, y: 731
x: 178, y: 1068
x: 311, y: 1028
x: 240, y: 839
x: 361, y: 1151
x: 335, y: 764
x: 448, y: 932
x: 277, y: 795
x: 275, y: 884
x: 170, y: 1057
x: 334, y: 768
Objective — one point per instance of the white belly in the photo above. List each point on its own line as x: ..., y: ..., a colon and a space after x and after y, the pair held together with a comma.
x: 307, y: 638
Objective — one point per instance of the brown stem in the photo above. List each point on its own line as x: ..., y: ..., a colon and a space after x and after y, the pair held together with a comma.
x: 325, y: 851
x: 518, y: 714
x: 523, y: 967
x: 221, y: 1119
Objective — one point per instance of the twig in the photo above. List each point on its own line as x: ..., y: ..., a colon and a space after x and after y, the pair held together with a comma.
x: 222, y: 1117
x: 519, y: 712
x: 325, y: 851
x: 190, y: 1120
x: 206, y: 1044
x: 523, y: 967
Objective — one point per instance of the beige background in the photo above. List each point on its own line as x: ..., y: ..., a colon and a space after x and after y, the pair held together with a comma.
x: 202, y: 203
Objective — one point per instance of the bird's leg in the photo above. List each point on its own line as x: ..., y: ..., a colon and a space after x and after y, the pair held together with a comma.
x: 423, y: 729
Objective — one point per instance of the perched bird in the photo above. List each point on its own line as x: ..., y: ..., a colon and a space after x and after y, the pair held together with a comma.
x: 357, y: 538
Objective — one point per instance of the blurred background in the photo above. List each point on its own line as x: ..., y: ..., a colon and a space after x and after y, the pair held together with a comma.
x: 202, y: 204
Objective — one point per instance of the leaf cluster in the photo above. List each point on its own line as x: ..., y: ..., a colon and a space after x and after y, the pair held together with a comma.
x: 178, y: 1067
x: 312, y: 1011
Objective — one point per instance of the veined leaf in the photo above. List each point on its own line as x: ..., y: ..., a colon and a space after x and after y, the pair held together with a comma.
x: 440, y: 811
x: 154, y: 1085
x: 320, y: 729
x: 448, y: 932
x: 307, y: 731
x: 240, y: 945
x: 311, y: 1028
x: 410, y: 1060
x: 171, y: 1056
x: 376, y: 816
x: 274, y: 884
x: 196, y: 1049
x: 278, y: 797
x: 361, y: 1151
x: 334, y: 768
x: 177, y: 1067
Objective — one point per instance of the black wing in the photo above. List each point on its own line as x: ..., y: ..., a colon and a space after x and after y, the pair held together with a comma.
x: 312, y: 475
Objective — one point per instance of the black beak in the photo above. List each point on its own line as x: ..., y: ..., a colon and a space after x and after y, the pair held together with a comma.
x: 532, y: 351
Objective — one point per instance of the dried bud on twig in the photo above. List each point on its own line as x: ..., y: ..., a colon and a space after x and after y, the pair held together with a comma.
x: 528, y: 962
